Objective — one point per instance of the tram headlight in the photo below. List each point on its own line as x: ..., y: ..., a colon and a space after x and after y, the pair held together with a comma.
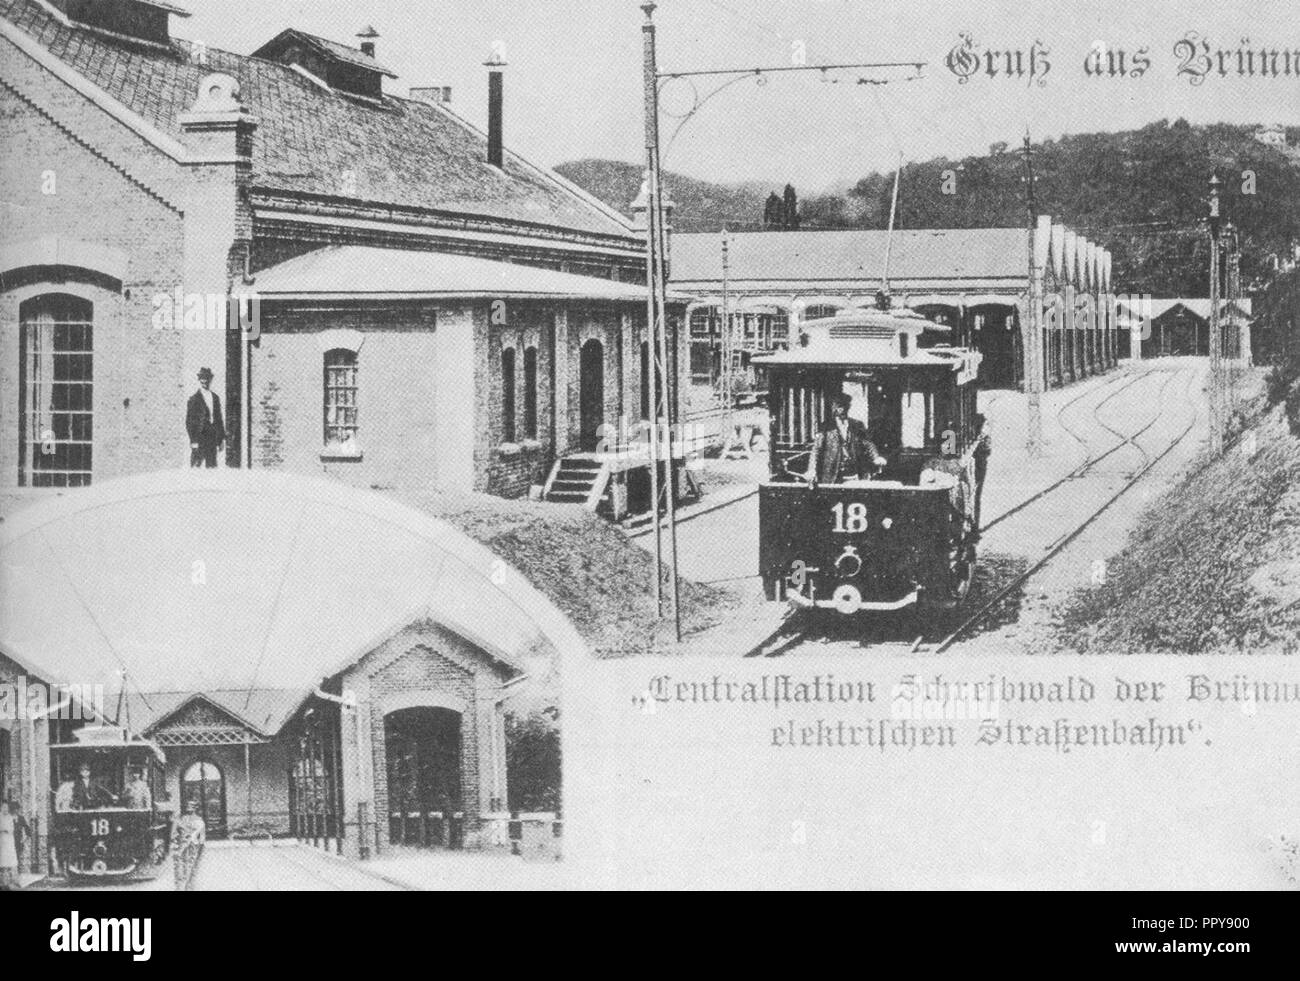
x: 847, y: 599
x: 100, y: 849
x: 849, y: 564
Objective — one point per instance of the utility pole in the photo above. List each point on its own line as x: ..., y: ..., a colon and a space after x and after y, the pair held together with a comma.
x: 728, y: 393
x: 657, y: 323
x: 1235, y: 325
x: 1031, y: 329
x: 1216, y: 333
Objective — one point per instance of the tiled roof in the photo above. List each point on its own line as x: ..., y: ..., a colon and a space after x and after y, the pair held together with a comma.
x: 342, y: 52
x: 404, y: 153
x: 839, y: 256
x: 265, y: 711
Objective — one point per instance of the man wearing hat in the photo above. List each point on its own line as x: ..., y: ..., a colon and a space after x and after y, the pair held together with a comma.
x: 204, y: 423
x: 842, y: 449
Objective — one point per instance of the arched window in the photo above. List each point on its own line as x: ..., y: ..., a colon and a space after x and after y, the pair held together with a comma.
x: 530, y: 393
x: 508, y: 395
x: 340, y: 397
x: 56, y: 391
x: 204, y: 785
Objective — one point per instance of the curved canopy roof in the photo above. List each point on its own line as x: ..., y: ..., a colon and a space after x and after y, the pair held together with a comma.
x: 244, y: 580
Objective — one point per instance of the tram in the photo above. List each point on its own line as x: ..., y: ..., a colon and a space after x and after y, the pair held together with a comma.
x: 108, y: 825
x: 901, y: 534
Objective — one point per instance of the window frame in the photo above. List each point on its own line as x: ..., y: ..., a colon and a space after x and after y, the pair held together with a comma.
x: 530, y: 392
x: 509, y: 396
x: 334, y: 360
x: 61, y: 306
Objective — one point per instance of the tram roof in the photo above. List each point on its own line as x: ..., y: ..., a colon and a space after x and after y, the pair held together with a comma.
x: 109, y: 737
x: 869, y: 338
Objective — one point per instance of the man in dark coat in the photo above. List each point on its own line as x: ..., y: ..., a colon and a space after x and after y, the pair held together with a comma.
x: 204, y: 423
x: 88, y: 795
x: 842, y: 450
x: 983, y: 449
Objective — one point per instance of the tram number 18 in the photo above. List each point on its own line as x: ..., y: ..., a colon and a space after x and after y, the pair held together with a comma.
x: 99, y: 827
x: 850, y: 520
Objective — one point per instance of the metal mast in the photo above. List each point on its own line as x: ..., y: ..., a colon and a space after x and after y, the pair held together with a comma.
x: 1031, y: 334
x: 661, y: 382
x: 1216, y: 331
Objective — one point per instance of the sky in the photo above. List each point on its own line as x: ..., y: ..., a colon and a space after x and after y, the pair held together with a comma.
x: 574, y: 84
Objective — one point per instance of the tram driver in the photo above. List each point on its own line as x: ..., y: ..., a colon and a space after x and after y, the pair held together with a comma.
x: 842, y: 449
x: 88, y: 795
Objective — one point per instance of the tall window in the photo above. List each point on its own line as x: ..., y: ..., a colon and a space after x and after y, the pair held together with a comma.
x: 530, y: 393
x: 56, y: 391
x: 4, y: 765
x: 704, y: 322
x: 780, y: 328
x: 340, y: 397
x: 508, y: 395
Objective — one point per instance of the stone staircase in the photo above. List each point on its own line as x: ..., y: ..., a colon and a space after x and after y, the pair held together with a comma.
x: 577, y: 478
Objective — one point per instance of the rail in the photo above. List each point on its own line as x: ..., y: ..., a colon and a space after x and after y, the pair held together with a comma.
x: 1059, y: 545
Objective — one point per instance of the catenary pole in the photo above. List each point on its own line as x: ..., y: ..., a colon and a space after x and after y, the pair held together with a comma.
x: 659, y: 269
x: 728, y: 396
x: 1031, y: 330
x: 1216, y: 335
x: 651, y: 143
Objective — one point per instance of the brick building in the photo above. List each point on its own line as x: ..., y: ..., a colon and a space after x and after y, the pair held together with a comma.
x: 359, y: 698
x: 422, y: 306
x: 972, y: 280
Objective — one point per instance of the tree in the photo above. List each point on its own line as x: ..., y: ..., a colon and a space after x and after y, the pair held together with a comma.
x: 773, y: 212
x: 790, y: 209
x: 825, y: 211
x: 533, y: 760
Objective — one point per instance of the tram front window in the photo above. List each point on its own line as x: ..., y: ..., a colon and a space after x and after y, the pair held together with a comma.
x: 916, y: 420
x: 83, y: 789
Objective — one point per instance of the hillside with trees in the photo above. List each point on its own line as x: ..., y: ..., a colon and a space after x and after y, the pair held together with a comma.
x: 701, y: 206
x: 1139, y: 193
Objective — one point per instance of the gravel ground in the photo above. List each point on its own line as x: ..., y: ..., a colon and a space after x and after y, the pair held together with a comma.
x: 1212, y: 567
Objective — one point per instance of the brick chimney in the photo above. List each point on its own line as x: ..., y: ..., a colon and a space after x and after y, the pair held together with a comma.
x: 367, y: 36
x: 496, y: 106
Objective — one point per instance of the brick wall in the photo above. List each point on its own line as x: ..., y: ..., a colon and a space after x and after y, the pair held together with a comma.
x: 27, y: 769
x: 397, y: 378
x: 516, y: 464
x: 139, y: 399
x: 425, y: 658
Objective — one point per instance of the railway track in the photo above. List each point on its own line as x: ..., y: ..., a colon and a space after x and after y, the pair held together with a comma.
x: 795, y: 629
x: 1091, y: 460
x: 1056, y: 547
